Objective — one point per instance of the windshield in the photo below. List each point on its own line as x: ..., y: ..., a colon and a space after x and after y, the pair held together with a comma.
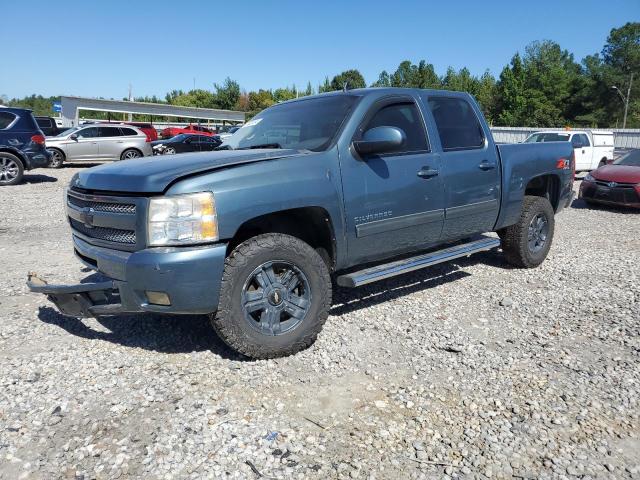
x: 68, y: 132
x: 631, y: 159
x: 548, y: 137
x: 309, y: 124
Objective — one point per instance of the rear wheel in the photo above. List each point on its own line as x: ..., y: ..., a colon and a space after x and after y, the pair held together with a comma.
x: 57, y: 158
x: 130, y: 154
x: 11, y: 169
x: 527, y: 243
x: 274, y: 298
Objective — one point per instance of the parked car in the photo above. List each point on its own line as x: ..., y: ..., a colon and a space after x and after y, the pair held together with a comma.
x: 173, y: 131
x: 223, y: 135
x: 147, y: 128
x: 48, y: 126
x: 185, y: 143
x: 22, y: 145
x: 615, y: 184
x: 325, y: 185
x: 593, y: 149
x: 98, y: 141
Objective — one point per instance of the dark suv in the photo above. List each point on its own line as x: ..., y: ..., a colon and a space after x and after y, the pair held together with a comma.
x: 21, y: 145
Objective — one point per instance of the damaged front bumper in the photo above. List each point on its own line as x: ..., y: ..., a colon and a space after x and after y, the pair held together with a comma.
x: 81, y: 300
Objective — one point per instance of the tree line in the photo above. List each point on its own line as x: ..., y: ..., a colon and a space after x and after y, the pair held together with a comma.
x: 544, y: 86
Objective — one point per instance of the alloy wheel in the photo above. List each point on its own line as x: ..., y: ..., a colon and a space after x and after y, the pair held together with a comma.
x: 538, y: 231
x: 276, y: 297
x: 9, y: 169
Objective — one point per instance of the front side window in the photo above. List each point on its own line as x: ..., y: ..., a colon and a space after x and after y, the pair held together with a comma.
x: 109, y: 131
x: 6, y: 119
x: 91, y: 132
x: 308, y: 124
x: 406, y: 117
x: 457, y: 123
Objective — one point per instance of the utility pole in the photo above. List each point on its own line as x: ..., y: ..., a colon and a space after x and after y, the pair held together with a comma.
x: 130, y: 99
x: 625, y: 100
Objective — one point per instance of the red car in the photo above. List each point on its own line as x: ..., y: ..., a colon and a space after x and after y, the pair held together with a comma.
x: 615, y: 184
x: 173, y: 131
x: 147, y: 128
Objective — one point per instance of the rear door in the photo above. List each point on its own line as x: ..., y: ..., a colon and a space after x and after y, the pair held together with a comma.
x: 391, y: 207
x: 469, y: 166
x: 110, y: 142
x: 85, y: 147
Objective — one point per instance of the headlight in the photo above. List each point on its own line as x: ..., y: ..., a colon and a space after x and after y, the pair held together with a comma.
x: 182, y: 219
x: 588, y: 178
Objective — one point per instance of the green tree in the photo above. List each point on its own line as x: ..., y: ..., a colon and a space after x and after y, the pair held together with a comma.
x: 383, y: 80
x: 349, y: 78
x: 510, y: 109
x: 227, y: 94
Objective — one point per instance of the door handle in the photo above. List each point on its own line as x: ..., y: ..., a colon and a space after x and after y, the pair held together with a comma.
x: 484, y: 165
x: 426, y: 172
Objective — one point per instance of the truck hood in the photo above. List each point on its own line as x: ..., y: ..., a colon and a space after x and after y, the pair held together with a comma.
x: 155, y: 174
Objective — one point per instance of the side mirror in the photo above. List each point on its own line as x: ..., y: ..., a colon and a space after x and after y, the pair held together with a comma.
x: 73, y: 137
x: 380, y: 140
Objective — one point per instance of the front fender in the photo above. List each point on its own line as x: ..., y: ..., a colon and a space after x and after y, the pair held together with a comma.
x: 245, y: 192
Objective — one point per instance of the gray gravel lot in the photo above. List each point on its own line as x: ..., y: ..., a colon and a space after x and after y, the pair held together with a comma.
x: 466, y: 370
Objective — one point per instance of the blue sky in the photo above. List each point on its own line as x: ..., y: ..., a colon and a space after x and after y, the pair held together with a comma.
x: 97, y: 48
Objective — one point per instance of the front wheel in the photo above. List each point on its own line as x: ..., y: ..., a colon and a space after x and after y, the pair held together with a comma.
x: 169, y: 151
x: 527, y: 243
x: 274, y: 297
x: 57, y: 158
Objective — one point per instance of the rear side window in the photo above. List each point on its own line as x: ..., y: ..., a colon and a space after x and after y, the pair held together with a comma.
x: 6, y: 119
x: 585, y: 140
x: 404, y: 116
x: 128, y: 131
x: 109, y: 131
x: 44, y: 122
x: 457, y: 123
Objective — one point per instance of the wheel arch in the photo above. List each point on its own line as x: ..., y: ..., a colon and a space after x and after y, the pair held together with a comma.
x: 17, y: 153
x: 312, y: 225
x: 546, y: 186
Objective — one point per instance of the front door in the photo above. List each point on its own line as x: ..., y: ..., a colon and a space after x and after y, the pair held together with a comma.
x: 583, y: 151
x: 470, y: 168
x: 110, y: 143
x: 85, y: 146
x: 394, y: 201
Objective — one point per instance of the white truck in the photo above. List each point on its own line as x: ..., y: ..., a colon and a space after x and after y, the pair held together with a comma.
x: 592, y: 149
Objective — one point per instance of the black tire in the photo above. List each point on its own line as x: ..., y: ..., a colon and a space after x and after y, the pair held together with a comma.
x: 602, y: 163
x: 11, y: 169
x: 522, y: 244
x: 130, y: 154
x: 57, y: 158
x: 235, y: 324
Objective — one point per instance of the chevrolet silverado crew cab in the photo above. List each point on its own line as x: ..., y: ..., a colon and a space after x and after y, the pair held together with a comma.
x: 358, y: 185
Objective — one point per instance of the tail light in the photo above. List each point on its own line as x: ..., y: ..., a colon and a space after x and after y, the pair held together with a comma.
x: 39, y: 139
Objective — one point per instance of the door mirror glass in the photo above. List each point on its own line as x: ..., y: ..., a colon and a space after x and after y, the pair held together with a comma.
x: 73, y: 137
x: 380, y: 140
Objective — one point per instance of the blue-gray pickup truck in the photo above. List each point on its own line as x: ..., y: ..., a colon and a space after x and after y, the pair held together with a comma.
x: 354, y: 186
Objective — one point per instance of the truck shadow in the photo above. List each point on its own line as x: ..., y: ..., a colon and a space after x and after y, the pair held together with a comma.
x: 193, y: 333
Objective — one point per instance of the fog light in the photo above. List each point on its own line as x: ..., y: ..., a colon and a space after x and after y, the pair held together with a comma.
x: 157, y: 298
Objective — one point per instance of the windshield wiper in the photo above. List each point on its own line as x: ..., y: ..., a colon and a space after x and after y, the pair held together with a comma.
x: 261, y: 145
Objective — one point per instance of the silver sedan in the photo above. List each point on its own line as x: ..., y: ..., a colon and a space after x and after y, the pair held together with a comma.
x: 98, y: 142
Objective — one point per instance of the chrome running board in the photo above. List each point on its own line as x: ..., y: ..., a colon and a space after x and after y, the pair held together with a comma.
x: 380, y: 272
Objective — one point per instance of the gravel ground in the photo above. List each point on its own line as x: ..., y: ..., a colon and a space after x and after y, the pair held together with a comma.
x: 466, y: 370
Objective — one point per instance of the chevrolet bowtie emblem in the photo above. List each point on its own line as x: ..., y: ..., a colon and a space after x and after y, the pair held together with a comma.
x: 86, y: 216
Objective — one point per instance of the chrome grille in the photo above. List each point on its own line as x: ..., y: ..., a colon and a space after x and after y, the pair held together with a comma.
x: 105, y: 233
x: 124, y: 208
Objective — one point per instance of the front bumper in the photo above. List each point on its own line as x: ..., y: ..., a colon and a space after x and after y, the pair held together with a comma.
x: 189, y: 276
x: 621, y: 197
